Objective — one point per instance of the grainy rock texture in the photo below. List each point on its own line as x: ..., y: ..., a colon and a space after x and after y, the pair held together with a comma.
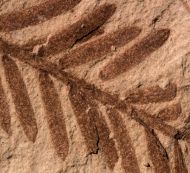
x: 90, y: 86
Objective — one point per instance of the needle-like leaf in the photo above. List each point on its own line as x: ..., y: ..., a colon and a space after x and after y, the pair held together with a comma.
x: 179, y: 161
x: 157, y: 152
x: 36, y: 14
x: 135, y: 55
x: 5, y: 118
x: 128, y: 155
x: 54, y: 115
x: 101, y: 46
x: 21, y: 99
x: 153, y: 94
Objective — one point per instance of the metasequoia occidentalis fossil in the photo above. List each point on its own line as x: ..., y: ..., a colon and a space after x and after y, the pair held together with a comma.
x: 95, y: 93
x: 84, y: 97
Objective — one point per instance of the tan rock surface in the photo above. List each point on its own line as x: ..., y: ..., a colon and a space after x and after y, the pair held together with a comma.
x: 94, y: 86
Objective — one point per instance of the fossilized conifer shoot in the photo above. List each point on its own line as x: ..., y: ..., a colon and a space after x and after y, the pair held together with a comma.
x: 81, y: 42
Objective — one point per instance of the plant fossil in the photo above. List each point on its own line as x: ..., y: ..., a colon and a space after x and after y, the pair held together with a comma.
x: 85, y: 97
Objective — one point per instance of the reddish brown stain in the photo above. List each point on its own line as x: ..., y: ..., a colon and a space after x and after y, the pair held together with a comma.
x: 179, y: 161
x: 135, y: 55
x: 69, y: 36
x: 101, y: 46
x: 36, y: 14
x: 21, y: 99
x: 170, y: 113
x: 54, y: 115
x: 152, y: 94
x: 5, y: 118
x: 127, y: 152
x: 157, y: 153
